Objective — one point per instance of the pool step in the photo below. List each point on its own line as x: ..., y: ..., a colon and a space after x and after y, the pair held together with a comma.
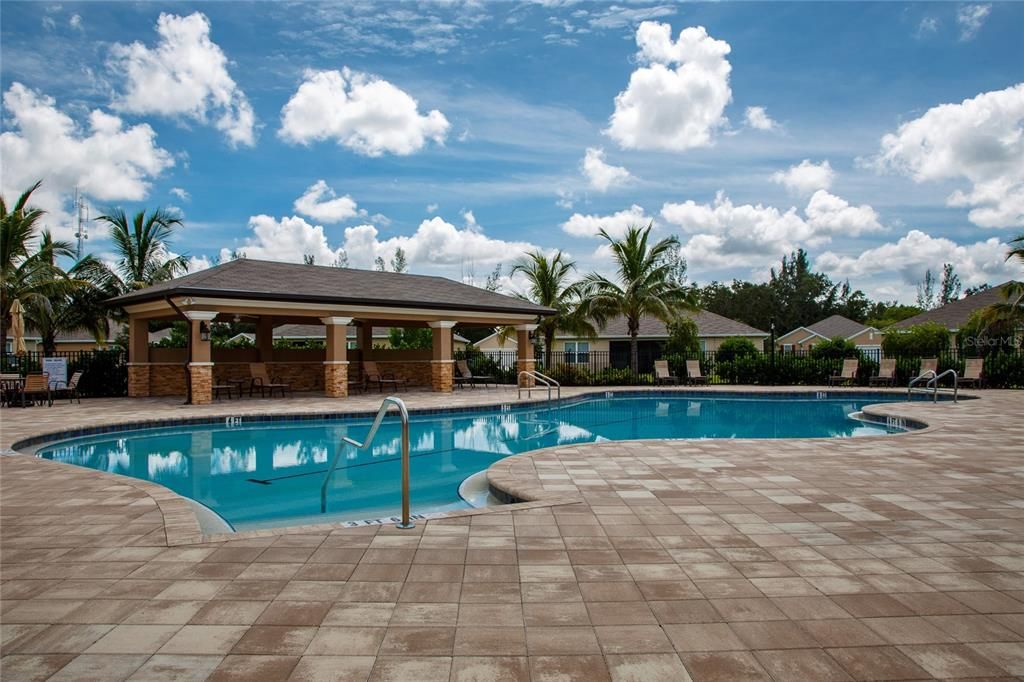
x: 476, y: 491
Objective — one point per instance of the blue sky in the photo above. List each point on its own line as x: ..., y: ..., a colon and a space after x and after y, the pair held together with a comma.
x: 468, y: 132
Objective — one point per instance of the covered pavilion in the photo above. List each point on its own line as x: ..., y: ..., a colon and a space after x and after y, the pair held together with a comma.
x: 269, y: 294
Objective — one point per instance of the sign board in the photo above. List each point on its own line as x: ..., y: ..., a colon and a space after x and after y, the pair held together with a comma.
x: 57, y: 368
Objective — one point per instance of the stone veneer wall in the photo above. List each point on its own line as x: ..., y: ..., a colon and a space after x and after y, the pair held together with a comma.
x: 165, y: 380
x: 202, y: 384
x: 336, y: 380
x: 442, y: 375
x: 416, y: 372
x: 138, y: 381
x: 300, y: 376
x: 525, y: 366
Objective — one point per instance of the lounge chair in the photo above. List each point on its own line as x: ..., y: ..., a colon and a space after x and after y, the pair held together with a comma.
x: 466, y: 375
x: 693, y: 373
x: 662, y: 374
x: 262, y: 380
x: 848, y: 374
x: 10, y: 387
x: 375, y: 376
x: 973, y: 373
x: 929, y: 365
x: 886, y: 373
x: 37, y: 389
x: 69, y: 389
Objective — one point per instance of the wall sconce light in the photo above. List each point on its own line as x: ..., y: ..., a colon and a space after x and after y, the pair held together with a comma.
x: 204, y: 331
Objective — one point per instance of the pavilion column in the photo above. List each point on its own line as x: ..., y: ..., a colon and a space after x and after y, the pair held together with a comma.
x: 265, y: 338
x: 365, y: 341
x: 138, y: 358
x: 200, y: 368
x: 442, y: 365
x: 336, y: 361
x: 525, y: 361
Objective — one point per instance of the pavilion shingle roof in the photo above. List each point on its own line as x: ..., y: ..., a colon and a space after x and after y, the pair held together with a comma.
x: 837, y: 325
x: 708, y: 324
x: 954, y: 314
x: 273, y: 281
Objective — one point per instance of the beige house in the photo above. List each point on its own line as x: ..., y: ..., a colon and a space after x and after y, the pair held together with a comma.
x: 955, y: 314
x: 271, y: 294
x: 610, y: 347
x: 803, y: 339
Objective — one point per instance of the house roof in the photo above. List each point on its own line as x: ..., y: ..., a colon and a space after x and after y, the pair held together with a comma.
x: 708, y: 324
x: 830, y: 328
x: 250, y: 279
x: 954, y: 314
x: 319, y: 331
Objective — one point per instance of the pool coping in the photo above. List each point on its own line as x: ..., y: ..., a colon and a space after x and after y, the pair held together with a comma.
x: 182, y: 526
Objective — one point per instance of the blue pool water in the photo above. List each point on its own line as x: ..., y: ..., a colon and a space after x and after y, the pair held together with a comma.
x: 269, y: 473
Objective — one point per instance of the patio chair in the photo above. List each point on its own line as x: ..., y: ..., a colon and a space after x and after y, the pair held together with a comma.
x: 973, y: 373
x: 886, y: 373
x: 848, y: 374
x: 262, y: 380
x: 693, y: 373
x: 929, y: 365
x: 374, y: 375
x: 37, y: 390
x: 69, y: 389
x: 662, y: 374
x: 467, y: 376
x: 10, y: 387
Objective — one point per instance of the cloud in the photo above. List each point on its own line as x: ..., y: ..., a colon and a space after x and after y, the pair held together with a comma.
x: 980, y: 140
x: 827, y: 213
x: 320, y: 202
x: 758, y: 118
x: 579, y: 225
x: 75, y: 22
x: 971, y: 18
x: 104, y: 159
x: 599, y: 174
x: 362, y: 112
x: 184, y: 76
x: 566, y: 199
x: 916, y: 252
x: 435, y: 244
x: 726, y: 234
x: 432, y: 208
x: 181, y: 193
x: 673, y: 108
x: 806, y: 177
x: 927, y: 26
x: 615, y: 16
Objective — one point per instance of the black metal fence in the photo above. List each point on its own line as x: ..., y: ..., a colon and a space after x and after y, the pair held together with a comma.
x: 1003, y: 369
x: 105, y: 372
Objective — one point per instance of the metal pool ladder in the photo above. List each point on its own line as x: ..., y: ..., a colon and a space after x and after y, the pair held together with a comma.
x: 933, y: 384
x: 541, y: 378
x: 403, y: 413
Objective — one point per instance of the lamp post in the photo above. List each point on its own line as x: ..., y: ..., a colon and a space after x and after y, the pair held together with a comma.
x: 771, y: 329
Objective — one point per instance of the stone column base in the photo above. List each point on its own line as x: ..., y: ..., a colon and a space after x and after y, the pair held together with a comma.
x: 336, y: 379
x: 442, y: 375
x: 201, y: 374
x: 526, y: 366
x: 138, y: 381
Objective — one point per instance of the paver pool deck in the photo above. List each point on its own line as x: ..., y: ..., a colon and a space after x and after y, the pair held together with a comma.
x: 892, y: 557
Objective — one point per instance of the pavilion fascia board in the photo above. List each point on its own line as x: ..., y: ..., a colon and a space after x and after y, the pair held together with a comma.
x: 189, y: 297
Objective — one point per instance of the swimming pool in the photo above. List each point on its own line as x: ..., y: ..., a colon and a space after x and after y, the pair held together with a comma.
x: 268, y: 473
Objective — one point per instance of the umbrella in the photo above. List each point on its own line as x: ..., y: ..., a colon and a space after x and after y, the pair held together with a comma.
x: 18, y: 327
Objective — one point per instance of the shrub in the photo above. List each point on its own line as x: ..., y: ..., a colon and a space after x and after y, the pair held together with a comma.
x: 835, y: 349
x: 682, y: 338
x: 921, y: 340
x: 735, y: 346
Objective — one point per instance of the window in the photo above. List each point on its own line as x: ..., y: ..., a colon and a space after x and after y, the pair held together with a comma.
x: 787, y: 348
x: 577, y: 352
x: 703, y: 345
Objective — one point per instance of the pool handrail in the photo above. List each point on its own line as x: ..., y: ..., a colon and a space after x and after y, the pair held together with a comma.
x: 933, y: 383
x: 542, y: 378
x: 403, y: 414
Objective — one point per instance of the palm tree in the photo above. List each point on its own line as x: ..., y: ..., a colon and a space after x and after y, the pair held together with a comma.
x: 649, y: 284
x: 549, y: 285
x: 27, y: 276
x: 142, y: 248
x: 1012, y: 311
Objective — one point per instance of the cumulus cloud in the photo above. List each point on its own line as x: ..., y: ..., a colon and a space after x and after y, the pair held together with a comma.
x: 580, y: 225
x: 75, y: 22
x: 758, y: 118
x: 676, y: 99
x: 599, y: 174
x: 828, y: 214
x: 805, y: 177
x: 980, y: 140
x: 181, y: 193
x: 106, y: 160
x: 435, y: 244
x: 916, y: 252
x: 184, y: 76
x: 726, y: 234
x: 971, y: 18
x: 360, y: 111
x: 320, y: 202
